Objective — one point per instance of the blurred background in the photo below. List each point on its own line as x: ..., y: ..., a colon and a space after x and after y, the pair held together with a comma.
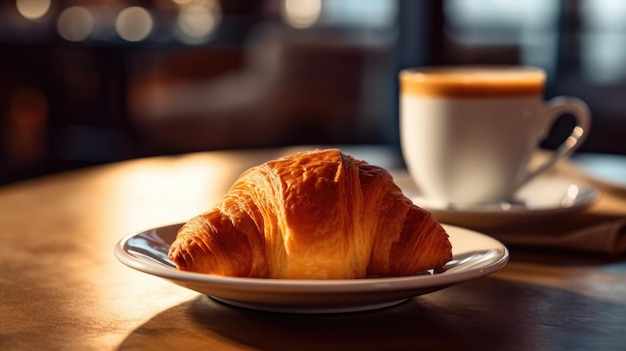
x: 86, y: 82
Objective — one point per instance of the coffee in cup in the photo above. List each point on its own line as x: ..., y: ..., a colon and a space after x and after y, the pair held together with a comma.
x: 468, y: 133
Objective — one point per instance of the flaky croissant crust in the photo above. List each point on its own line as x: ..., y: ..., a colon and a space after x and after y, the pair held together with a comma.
x: 313, y: 215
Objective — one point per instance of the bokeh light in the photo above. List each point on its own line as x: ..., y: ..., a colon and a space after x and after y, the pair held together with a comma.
x: 198, y: 19
x: 301, y: 13
x: 75, y: 23
x: 33, y: 9
x: 134, y: 24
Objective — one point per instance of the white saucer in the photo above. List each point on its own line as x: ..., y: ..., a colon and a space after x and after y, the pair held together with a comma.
x: 605, y: 168
x: 544, y: 197
x: 475, y: 255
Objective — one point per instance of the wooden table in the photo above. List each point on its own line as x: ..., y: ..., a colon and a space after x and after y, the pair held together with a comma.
x: 61, y: 288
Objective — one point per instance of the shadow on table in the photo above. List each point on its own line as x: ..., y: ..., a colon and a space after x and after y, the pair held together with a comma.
x: 485, y: 313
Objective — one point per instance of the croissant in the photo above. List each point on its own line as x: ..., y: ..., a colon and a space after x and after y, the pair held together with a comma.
x: 313, y: 215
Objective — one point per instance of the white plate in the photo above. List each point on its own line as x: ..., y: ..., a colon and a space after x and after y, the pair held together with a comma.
x: 542, y: 198
x: 605, y: 168
x: 475, y: 255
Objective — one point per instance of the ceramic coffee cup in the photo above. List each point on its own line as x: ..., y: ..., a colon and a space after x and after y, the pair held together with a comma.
x: 468, y: 133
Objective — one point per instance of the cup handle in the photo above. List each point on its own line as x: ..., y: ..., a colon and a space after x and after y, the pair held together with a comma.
x: 555, y: 108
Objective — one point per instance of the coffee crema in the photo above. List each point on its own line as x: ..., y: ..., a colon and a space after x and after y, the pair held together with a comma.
x: 472, y: 82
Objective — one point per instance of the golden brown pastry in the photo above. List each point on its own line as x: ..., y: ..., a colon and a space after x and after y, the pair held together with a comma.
x: 312, y: 215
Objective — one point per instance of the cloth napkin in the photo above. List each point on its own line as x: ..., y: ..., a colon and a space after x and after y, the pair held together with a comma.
x: 607, y: 238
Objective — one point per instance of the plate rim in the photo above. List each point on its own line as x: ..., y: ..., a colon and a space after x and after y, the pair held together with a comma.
x: 330, y: 286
